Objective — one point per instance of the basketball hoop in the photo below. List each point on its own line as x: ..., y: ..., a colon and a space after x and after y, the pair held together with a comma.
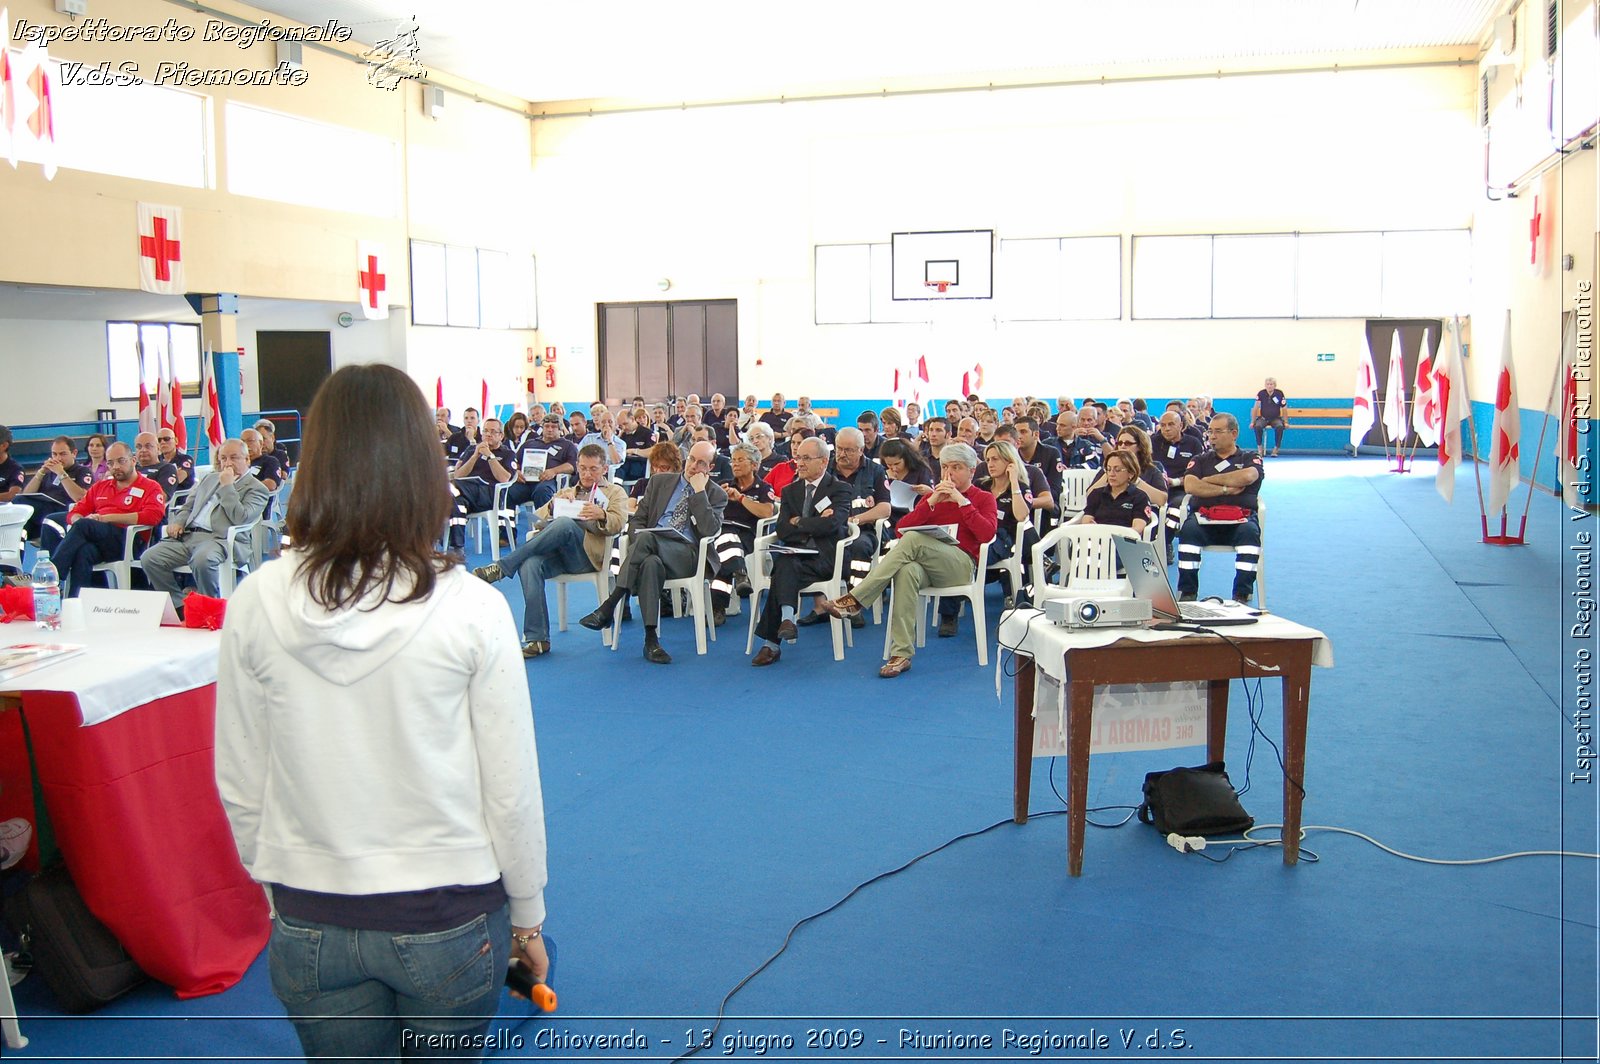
x: 940, y: 285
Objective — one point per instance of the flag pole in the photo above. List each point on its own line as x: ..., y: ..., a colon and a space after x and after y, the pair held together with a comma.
x: 1544, y: 426
x: 1472, y: 427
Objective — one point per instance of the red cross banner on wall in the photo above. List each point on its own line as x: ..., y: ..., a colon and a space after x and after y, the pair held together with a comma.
x: 160, y: 250
x: 372, y: 279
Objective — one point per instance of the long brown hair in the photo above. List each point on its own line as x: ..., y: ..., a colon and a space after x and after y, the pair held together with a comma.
x: 370, y: 496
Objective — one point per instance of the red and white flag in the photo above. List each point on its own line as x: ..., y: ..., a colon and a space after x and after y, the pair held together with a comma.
x: 1362, y: 408
x: 1569, y: 447
x: 484, y: 410
x: 147, y: 406
x: 1425, y: 415
x: 372, y: 279
x: 1394, y: 396
x: 163, y: 391
x: 38, y: 114
x: 8, y: 90
x: 438, y: 393
x: 909, y: 383
x: 1450, y: 386
x: 972, y: 381
x: 210, y: 404
x: 160, y: 249
x: 1504, y: 467
x: 180, y: 428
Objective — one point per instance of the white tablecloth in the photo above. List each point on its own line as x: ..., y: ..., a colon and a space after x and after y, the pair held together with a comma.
x: 120, y: 670
x: 1030, y: 632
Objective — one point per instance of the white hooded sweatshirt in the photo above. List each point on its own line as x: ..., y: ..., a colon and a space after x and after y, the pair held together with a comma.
x: 372, y: 751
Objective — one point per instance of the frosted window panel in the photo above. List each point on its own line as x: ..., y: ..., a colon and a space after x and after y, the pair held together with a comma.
x: 1171, y: 276
x: 524, y: 292
x: 1341, y: 275
x: 122, y: 360
x: 1091, y: 277
x: 185, y: 347
x: 1030, y: 280
x: 1577, y: 102
x: 1253, y: 276
x: 494, y: 289
x: 147, y: 132
x: 885, y: 308
x: 461, y: 286
x: 293, y: 160
x: 427, y: 284
x: 156, y: 348
x: 843, y: 287
x: 1426, y: 274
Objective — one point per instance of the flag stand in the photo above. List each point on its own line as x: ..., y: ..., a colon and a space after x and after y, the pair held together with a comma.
x: 1505, y: 539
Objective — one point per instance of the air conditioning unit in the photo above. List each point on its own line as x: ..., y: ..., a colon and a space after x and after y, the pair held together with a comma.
x: 1552, y: 28
x: 1483, y: 98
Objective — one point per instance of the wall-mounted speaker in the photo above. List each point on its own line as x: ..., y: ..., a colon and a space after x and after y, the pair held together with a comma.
x: 291, y: 53
x: 432, y: 101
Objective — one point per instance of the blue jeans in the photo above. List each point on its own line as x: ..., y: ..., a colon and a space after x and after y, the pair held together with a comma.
x: 386, y: 995
x: 556, y: 551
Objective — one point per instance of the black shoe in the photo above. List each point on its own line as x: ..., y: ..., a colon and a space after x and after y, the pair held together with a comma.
x: 598, y: 621
x: 741, y: 585
x: 654, y: 654
x: 719, y: 616
x: 491, y: 573
x: 947, y: 627
x: 788, y: 633
x: 812, y: 618
x: 1244, y: 599
x: 859, y: 621
x: 1186, y: 596
x: 627, y: 610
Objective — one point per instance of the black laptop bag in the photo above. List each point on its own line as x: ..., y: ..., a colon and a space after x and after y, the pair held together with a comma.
x: 81, y: 961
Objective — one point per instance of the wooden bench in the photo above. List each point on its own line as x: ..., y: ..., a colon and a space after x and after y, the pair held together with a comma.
x: 1318, y: 417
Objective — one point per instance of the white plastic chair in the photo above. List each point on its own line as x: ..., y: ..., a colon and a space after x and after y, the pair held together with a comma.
x: 972, y: 591
x: 696, y: 588
x: 120, y: 572
x: 1074, y: 492
x: 8, y: 1010
x: 13, y: 519
x: 1223, y: 548
x: 601, y: 579
x: 240, y: 557
x: 1088, y: 558
x: 488, y: 520
x: 831, y: 586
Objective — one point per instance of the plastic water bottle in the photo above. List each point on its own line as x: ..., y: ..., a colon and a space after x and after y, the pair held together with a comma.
x: 46, y: 593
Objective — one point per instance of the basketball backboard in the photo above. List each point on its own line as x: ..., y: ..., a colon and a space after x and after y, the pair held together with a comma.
x: 953, y: 264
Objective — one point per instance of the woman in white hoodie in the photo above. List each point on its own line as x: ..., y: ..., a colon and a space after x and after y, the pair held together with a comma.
x: 375, y: 748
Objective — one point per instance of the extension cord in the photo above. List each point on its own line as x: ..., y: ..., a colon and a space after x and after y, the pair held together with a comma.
x: 1186, y: 843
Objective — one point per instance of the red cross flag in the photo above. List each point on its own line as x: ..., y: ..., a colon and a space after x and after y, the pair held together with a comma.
x: 1504, y: 468
x: 210, y: 404
x: 1394, y: 396
x: 147, y: 406
x: 1363, y: 408
x: 8, y: 90
x: 160, y: 250
x: 1569, y: 449
x: 1450, y: 384
x: 41, y: 118
x: 372, y: 278
x: 1425, y: 413
x: 972, y: 380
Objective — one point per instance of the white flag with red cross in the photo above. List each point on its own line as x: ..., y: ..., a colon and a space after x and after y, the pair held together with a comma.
x: 372, y: 278
x: 210, y: 404
x: 1363, y: 414
x: 1504, y: 465
x: 1394, y: 397
x: 8, y: 90
x: 972, y: 380
x: 147, y: 404
x: 1450, y: 385
x: 1425, y: 413
x: 161, y: 249
x: 30, y: 92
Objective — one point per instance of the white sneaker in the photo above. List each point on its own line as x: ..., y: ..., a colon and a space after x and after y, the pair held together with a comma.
x: 15, y: 835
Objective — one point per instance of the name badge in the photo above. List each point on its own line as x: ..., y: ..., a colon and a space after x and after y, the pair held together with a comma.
x: 136, y: 493
x: 1172, y: 452
x: 1222, y: 463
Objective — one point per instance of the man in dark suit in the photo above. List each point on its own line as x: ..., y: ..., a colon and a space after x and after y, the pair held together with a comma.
x: 229, y: 496
x: 813, y: 512
x: 683, y: 504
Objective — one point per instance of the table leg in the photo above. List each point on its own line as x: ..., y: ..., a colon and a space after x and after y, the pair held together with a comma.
x: 1022, y: 770
x: 1296, y: 701
x: 1080, y: 716
x: 1216, y: 718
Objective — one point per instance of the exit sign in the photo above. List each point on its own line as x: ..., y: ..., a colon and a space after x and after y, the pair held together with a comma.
x: 1324, y: 356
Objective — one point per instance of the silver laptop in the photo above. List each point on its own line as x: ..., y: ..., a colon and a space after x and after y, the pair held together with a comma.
x: 1147, y: 572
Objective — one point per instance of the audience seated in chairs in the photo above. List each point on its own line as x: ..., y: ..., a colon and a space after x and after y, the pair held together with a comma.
x: 750, y: 501
x: 1119, y: 501
x: 264, y: 465
x: 935, y: 434
x: 1151, y: 477
x: 55, y: 486
x: 1224, y: 483
x: 563, y: 545
x: 691, y: 507
x: 1269, y: 411
x: 869, y: 504
x: 476, y: 475
x: 1019, y: 490
x: 1173, y: 447
x: 463, y: 439
x: 269, y: 442
x: 96, y: 525
x: 919, y: 560
x: 167, y: 448
x: 560, y: 458
x: 12, y: 477
x: 904, y: 461
x: 194, y: 535
x: 95, y: 445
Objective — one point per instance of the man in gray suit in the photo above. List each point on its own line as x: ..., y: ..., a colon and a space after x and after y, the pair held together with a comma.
x: 194, y: 535
x: 683, y: 504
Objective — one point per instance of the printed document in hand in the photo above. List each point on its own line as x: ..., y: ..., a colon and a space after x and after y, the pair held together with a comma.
x: 902, y: 496
x: 668, y: 530
x: 942, y: 533
x: 566, y: 508
x: 533, y: 462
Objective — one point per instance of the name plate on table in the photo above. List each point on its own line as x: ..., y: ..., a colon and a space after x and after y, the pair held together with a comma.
x: 129, y: 611
x: 1135, y: 716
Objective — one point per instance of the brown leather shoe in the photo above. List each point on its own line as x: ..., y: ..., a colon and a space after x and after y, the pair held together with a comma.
x: 766, y: 656
x: 536, y: 648
x: 788, y: 632
x: 843, y: 606
x: 894, y: 667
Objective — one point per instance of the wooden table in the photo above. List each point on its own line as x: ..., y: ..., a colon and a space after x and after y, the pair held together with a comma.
x: 1203, y: 658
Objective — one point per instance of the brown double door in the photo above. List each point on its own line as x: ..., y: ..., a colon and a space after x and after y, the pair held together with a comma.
x: 670, y: 348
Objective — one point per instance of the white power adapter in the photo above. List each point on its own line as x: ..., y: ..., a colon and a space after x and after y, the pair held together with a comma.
x: 1186, y: 843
